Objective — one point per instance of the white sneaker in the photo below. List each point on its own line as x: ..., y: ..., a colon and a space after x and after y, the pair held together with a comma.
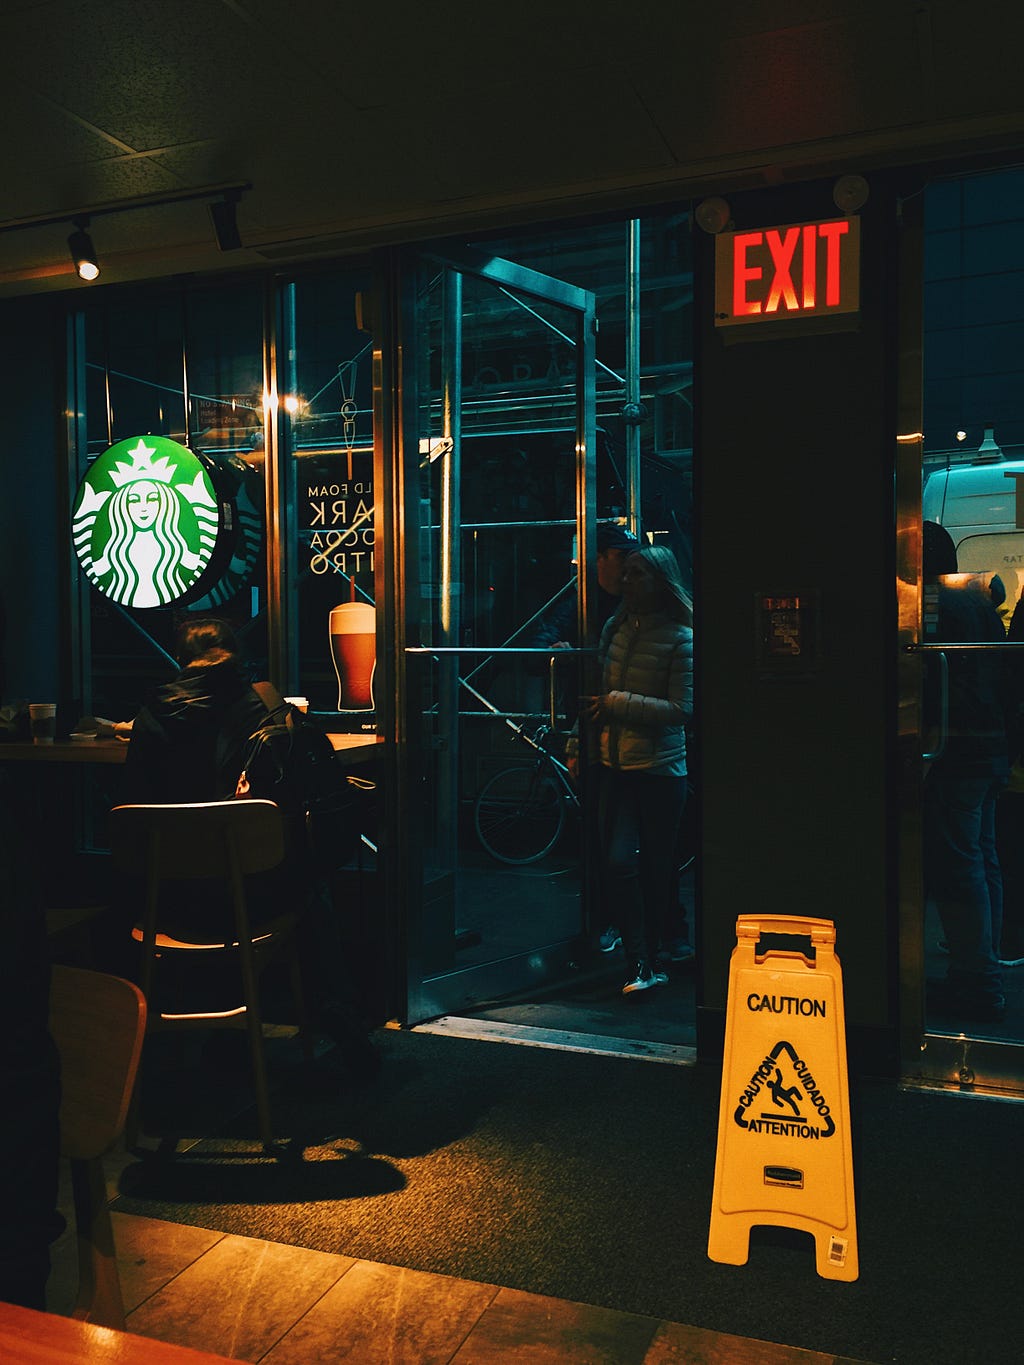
x: 643, y: 979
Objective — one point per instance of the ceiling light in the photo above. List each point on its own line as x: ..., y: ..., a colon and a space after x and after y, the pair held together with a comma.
x: 713, y: 214
x: 850, y: 193
x: 83, y: 253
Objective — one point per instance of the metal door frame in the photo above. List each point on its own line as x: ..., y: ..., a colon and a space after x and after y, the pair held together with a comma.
x: 396, y: 460
x: 946, y: 1061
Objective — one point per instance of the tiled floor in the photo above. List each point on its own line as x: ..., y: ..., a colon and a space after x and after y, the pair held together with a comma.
x: 282, y: 1305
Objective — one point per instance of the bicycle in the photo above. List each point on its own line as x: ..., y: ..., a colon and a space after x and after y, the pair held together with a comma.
x: 520, y: 812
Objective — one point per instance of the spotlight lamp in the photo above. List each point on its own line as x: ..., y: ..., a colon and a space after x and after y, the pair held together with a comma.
x: 83, y: 253
x: 223, y: 211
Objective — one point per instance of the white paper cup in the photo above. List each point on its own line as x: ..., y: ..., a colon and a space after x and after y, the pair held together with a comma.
x: 42, y: 717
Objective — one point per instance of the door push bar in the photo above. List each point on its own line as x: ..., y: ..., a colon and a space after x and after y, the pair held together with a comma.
x: 941, y: 651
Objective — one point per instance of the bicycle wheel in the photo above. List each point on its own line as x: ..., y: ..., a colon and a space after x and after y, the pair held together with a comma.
x: 519, y: 815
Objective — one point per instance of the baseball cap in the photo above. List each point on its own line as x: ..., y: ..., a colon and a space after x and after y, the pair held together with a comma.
x: 612, y: 536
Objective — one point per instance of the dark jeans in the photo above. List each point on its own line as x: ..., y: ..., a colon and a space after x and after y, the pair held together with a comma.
x: 963, y: 876
x: 640, y: 817
x: 1010, y: 846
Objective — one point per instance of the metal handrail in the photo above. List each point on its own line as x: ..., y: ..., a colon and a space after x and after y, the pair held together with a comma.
x: 949, y: 646
x: 941, y: 649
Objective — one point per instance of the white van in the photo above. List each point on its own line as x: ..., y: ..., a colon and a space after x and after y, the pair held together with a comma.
x: 981, y: 505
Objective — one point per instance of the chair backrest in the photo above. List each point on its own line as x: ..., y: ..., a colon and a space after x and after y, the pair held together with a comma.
x: 197, y: 839
x: 97, y: 1022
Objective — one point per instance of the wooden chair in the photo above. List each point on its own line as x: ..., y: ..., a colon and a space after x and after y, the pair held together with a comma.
x: 225, y: 841
x: 97, y: 1022
x: 70, y: 932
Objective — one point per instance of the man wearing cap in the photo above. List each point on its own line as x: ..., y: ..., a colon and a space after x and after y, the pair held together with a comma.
x: 557, y: 629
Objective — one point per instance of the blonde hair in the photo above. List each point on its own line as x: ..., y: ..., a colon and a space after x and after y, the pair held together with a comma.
x: 665, y: 568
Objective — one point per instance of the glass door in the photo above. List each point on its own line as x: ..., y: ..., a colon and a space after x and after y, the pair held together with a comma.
x: 962, y: 544
x: 499, y: 534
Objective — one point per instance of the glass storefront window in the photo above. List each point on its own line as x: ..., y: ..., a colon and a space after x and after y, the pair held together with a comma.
x: 184, y: 364
x: 326, y: 397
x: 641, y: 274
x: 973, y: 585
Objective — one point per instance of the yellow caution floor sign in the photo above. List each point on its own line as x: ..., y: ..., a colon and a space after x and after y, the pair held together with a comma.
x: 784, y: 1155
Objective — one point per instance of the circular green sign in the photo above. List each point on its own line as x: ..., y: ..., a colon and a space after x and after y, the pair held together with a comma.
x: 145, y: 521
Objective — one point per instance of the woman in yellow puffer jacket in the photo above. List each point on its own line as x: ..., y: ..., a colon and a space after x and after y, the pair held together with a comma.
x: 646, y: 654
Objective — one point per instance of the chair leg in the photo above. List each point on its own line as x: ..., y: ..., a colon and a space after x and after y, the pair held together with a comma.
x: 133, y: 1124
x: 254, y: 1026
x: 133, y: 1119
x: 259, y: 1074
x: 299, y: 999
x: 99, y: 1286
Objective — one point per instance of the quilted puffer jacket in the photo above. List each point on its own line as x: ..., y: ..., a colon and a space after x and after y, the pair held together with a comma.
x: 647, y: 664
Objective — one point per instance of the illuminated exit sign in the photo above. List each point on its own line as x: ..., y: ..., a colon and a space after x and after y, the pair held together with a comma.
x: 779, y: 274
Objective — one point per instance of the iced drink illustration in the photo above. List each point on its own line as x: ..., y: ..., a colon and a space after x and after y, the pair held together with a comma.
x: 353, y: 627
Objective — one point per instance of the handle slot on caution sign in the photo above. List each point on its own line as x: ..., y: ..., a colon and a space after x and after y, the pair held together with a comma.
x: 784, y: 1156
x: 784, y: 1175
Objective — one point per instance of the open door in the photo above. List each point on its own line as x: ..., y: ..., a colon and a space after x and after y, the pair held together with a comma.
x: 497, y: 434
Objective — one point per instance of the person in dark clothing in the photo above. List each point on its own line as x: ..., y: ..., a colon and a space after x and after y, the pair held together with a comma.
x: 962, y: 786
x: 188, y: 744
x: 556, y: 629
x: 189, y: 738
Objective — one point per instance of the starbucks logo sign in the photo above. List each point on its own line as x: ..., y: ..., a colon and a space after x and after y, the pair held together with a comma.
x: 145, y: 521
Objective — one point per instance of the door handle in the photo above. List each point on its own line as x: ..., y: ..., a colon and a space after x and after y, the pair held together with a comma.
x: 940, y: 747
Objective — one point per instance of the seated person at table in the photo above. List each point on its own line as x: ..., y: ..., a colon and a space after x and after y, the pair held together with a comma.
x: 188, y: 739
x: 187, y: 744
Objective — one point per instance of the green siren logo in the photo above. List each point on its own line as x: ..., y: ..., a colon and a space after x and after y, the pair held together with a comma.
x: 145, y: 521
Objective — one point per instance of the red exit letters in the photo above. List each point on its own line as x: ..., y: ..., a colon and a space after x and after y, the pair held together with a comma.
x: 799, y: 270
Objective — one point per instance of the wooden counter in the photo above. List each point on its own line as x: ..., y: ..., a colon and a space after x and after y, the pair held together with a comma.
x: 31, y: 1338
x: 355, y: 748
x: 116, y: 750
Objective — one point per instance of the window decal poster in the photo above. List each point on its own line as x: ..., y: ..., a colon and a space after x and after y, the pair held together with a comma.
x: 145, y: 521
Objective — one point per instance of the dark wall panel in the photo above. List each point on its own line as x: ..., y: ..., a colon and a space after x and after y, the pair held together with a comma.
x: 795, y: 493
x: 29, y: 567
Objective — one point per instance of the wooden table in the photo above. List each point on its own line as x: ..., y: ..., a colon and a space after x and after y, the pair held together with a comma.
x: 65, y: 751
x: 31, y: 1338
x: 355, y: 749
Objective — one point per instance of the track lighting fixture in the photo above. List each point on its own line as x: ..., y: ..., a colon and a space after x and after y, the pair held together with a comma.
x: 83, y: 253
x: 223, y: 213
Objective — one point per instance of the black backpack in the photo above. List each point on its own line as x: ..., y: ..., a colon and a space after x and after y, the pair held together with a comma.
x: 290, y: 761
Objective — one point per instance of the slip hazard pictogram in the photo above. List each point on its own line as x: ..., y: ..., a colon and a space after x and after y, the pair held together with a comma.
x: 784, y: 1155
x: 783, y: 1091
